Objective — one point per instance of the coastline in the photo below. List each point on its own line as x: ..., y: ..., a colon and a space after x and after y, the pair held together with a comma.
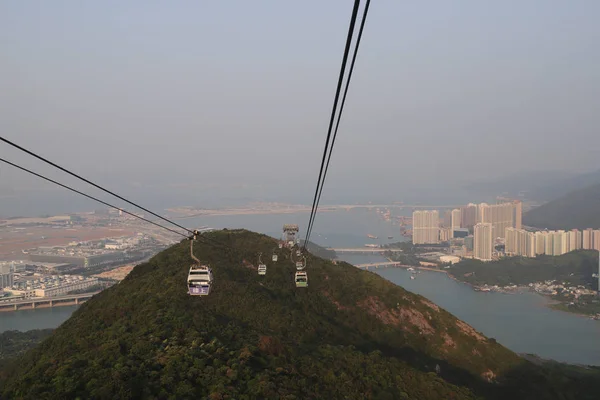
x: 551, y: 302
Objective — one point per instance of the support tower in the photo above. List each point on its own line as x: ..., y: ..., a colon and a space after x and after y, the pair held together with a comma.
x: 289, y: 234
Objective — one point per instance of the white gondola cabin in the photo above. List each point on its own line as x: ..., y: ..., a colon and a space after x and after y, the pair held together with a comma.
x: 199, y: 280
x: 301, y: 279
x: 262, y: 269
x: 274, y: 258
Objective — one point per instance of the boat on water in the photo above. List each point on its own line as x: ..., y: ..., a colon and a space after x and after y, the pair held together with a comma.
x: 412, y: 277
x: 390, y: 237
x: 373, y: 246
x: 372, y: 236
x: 411, y: 269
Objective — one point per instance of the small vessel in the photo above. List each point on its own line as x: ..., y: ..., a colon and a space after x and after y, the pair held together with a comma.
x: 373, y: 246
x: 412, y: 277
x: 411, y: 269
x: 372, y: 236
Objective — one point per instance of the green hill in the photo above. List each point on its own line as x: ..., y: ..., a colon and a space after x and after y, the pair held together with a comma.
x: 574, y: 268
x: 579, y: 209
x: 350, y: 334
x: 14, y: 343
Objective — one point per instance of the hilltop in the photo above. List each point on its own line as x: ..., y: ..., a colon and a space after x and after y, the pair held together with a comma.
x: 350, y: 334
x: 578, y: 209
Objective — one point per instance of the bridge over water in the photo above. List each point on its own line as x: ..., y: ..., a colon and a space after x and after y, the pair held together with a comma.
x: 381, y: 265
x: 45, y: 302
x: 364, y: 250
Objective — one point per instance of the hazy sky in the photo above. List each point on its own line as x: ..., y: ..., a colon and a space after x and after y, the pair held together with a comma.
x: 226, y: 93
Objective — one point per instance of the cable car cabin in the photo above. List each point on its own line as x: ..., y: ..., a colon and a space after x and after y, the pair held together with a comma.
x: 199, y: 280
x: 298, y: 253
x: 262, y: 269
x: 301, y: 279
x: 274, y: 258
x: 280, y: 245
x: 299, y: 265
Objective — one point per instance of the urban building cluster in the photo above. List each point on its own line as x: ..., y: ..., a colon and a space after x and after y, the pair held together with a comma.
x: 92, y: 253
x: 429, y: 229
x: 520, y: 242
x: 49, y: 286
x: 481, y: 230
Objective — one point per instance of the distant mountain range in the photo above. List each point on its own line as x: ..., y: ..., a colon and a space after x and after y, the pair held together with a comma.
x: 578, y: 209
x: 538, y: 186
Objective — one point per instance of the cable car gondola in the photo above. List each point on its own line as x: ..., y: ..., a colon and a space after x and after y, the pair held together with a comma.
x: 274, y: 258
x: 301, y: 279
x: 262, y: 269
x: 200, y: 277
x: 199, y: 280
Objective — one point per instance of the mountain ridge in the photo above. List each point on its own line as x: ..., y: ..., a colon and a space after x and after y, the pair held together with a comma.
x: 539, y: 186
x: 575, y: 210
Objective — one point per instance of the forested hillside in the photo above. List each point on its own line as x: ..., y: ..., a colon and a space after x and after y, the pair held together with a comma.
x: 350, y: 334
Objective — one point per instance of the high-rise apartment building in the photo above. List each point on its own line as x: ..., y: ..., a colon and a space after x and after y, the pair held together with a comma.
x: 455, y: 221
x: 587, y: 239
x: 445, y: 234
x: 560, y: 243
x: 518, y: 210
x: 468, y: 216
x: 519, y: 242
x: 596, y: 240
x: 549, y: 244
x: 6, y: 276
x: 501, y: 216
x: 426, y: 227
x: 530, y: 248
x: 483, y: 242
x: 447, y: 220
x: 540, y: 242
x: 510, y: 241
x: 575, y: 241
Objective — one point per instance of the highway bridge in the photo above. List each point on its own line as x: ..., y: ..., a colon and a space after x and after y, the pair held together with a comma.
x: 45, y: 302
x: 365, y: 250
x: 381, y: 265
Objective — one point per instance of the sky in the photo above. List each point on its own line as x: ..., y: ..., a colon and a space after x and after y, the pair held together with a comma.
x: 219, y: 101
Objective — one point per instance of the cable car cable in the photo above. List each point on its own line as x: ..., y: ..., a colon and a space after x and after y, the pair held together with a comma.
x: 337, y: 125
x: 89, y: 182
x: 333, y: 112
x: 88, y: 196
x: 202, y: 239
